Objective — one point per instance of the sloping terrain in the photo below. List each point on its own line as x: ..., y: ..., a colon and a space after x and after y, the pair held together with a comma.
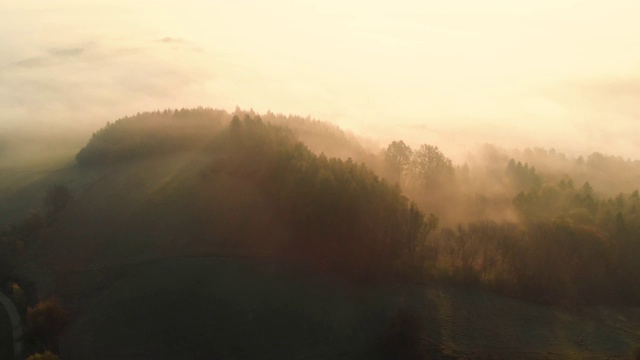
x: 23, y: 188
x: 190, y: 307
x: 188, y: 254
x: 472, y: 321
x: 253, y: 189
x: 216, y: 308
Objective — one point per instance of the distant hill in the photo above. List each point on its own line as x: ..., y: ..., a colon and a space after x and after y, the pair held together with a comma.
x: 170, y: 131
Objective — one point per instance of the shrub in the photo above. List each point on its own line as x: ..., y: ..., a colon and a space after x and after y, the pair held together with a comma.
x: 46, y: 321
x: 18, y: 297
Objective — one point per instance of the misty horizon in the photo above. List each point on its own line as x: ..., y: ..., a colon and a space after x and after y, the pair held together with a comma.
x: 344, y: 179
x: 551, y: 74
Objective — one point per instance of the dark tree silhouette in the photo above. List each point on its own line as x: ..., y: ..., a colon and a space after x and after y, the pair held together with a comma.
x: 45, y: 324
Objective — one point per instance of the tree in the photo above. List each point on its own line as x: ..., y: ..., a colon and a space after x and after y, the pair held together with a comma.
x: 523, y: 177
x: 397, y: 158
x: 342, y: 216
x: 428, y: 165
x: 430, y: 175
x: 46, y: 321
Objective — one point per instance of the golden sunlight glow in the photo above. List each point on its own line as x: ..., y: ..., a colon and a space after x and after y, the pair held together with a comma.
x: 455, y: 73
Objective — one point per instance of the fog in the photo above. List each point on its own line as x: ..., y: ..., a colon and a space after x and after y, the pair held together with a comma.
x: 344, y: 178
x: 552, y: 74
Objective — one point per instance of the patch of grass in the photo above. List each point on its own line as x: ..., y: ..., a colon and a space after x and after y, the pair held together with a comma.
x: 24, y: 188
x: 213, y: 308
x: 226, y: 308
x: 471, y: 321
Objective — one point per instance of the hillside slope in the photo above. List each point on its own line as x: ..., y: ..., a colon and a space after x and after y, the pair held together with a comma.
x: 230, y: 308
x: 249, y: 189
x: 171, y: 248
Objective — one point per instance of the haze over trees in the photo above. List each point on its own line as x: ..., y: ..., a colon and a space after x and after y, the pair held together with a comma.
x: 532, y: 224
x: 527, y: 232
x: 521, y: 222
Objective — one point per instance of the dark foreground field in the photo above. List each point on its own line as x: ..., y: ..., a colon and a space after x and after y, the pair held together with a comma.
x: 221, y: 308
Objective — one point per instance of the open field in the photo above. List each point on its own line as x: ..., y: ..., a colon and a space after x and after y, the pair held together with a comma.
x: 223, y: 308
x: 23, y: 187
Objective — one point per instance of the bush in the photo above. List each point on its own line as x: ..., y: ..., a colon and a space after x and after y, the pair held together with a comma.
x: 18, y: 297
x: 45, y: 324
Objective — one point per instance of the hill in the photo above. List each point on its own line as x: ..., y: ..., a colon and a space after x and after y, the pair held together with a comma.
x: 249, y: 188
x: 167, y: 213
x: 170, y: 131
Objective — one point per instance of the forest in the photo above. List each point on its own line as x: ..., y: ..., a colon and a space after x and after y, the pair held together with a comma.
x: 529, y: 224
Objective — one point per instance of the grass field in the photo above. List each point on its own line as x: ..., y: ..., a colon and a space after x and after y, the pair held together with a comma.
x: 471, y: 321
x: 216, y: 308
x: 23, y: 187
x: 228, y: 309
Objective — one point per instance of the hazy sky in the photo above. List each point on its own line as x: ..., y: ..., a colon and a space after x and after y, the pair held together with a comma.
x: 553, y: 73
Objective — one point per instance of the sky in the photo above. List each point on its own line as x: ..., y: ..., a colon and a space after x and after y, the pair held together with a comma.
x: 560, y: 74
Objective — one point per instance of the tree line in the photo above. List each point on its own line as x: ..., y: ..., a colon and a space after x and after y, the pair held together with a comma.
x: 343, y: 216
x: 527, y: 223
x: 552, y: 240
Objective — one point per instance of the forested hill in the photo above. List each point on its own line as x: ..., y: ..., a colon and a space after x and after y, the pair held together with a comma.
x: 163, y: 132
x: 341, y: 215
x: 151, y: 134
x: 157, y: 190
x: 206, y: 181
x: 198, y: 184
